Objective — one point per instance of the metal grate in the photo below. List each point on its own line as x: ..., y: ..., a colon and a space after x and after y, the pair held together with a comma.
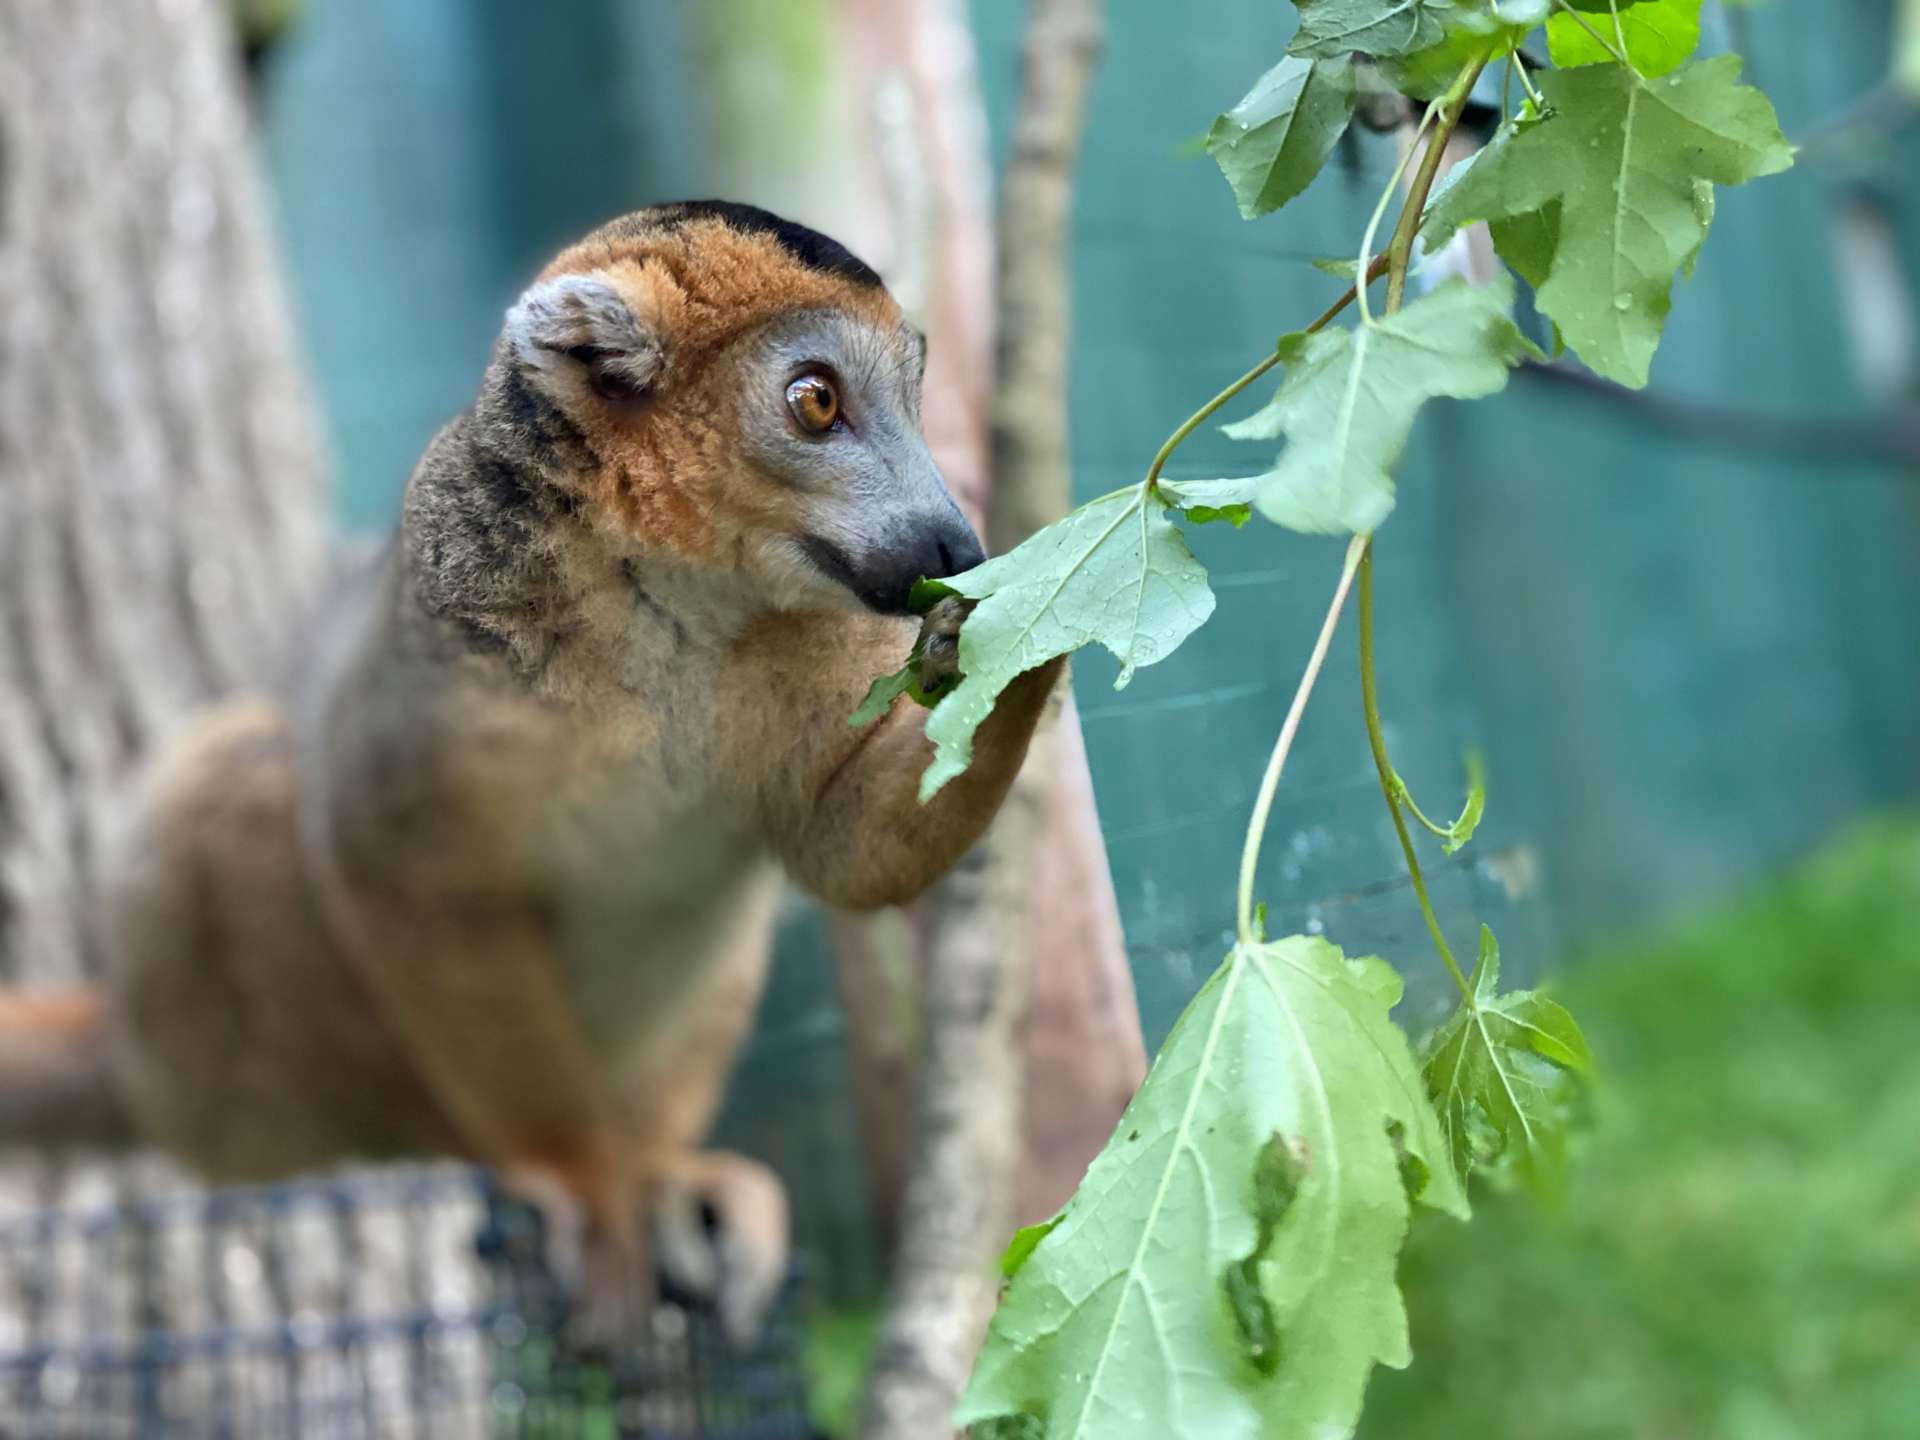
x: 400, y: 1305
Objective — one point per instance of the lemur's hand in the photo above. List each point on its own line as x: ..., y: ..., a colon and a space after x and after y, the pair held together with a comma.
x: 940, y: 641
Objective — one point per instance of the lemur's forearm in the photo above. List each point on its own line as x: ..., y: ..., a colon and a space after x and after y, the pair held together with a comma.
x: 846, y: 818
x: 871, y: 842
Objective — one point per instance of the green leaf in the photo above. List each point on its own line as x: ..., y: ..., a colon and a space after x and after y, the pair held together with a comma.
x: 1206, y: 501
x: 906, y: 680
x: 1461, y: 831
x: 1341, y: 267
x: 1227, y: 1267
x: 1330, y: 28
x: 1272, y: 144
x: 885, y: 690
x: 1025, y: 1240
x: 1009, y: 1427
x: 1350, y: 397
x: 1506, y: 1072
x: 1116, y: 572
x: 1476, y: 27
x: 1660, y: 35
x: 1453, y: 837
x: 1631, y: 164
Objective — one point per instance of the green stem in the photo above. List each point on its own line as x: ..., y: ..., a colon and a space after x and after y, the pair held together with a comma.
x: 1526, y: 80
x: 1476, y: 781
x: 1199, y: 417
x: 1270, y: 782
x: 1445, y: 832
x: 1449, y: 107
x: 1386, y: 199
x: 1399, y: 256
x: 1376, y: 738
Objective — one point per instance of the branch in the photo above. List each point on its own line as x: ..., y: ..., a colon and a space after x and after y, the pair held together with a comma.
x: 1889, y: 437
x: 963, y: 1186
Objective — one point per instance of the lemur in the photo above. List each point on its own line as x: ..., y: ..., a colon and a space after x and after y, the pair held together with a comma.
x: 491, y: 878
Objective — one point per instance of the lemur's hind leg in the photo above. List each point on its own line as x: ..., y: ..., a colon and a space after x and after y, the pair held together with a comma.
x: 719, y: 1220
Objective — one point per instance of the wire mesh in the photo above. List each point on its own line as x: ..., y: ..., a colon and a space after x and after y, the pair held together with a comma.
x: 410, y: 1305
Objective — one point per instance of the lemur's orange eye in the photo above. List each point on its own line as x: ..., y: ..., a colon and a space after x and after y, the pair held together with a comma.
x: 814, y: 403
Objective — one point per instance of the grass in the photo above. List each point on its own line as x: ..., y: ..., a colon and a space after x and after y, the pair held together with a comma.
x: 1740, y: 1255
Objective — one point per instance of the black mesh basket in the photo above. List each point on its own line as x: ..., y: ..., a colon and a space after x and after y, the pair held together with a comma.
x: 411, y: 1305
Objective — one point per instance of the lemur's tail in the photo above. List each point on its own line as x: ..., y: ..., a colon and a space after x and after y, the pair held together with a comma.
x: 55, y: 1084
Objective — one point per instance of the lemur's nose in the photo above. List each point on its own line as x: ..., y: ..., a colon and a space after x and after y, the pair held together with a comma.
x: 960, y: 550
x: 941, y: 545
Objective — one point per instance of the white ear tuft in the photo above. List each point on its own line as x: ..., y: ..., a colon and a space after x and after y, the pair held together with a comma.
x: 574, y: 333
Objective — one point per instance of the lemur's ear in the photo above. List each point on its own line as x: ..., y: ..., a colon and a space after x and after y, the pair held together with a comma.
x: 574, y: 335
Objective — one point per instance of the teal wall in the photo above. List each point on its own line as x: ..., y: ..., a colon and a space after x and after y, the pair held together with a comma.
x: 1685, y: 659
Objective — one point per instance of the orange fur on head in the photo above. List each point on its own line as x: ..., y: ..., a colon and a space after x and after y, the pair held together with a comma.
x: 698, y: 286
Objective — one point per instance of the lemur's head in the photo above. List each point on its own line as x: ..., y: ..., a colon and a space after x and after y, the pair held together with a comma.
x: 709, y: 381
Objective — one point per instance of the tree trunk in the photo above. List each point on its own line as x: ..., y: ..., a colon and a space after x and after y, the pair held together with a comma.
x: 963, y: 1191
x: 161, y: 496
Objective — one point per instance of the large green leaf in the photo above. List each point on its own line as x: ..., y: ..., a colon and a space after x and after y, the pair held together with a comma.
x: 1660, y: 35
x: 1474, y: 28
x: 1350, y: 397
x: 1116, y: 572
x: 1630, y: 163
x: 1373, y: 27
x: 1226, y: 1269
x: 1272, y: 144
x: 1505, y: 1071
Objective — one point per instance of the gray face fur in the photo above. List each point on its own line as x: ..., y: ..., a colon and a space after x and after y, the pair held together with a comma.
x: 874, y: 514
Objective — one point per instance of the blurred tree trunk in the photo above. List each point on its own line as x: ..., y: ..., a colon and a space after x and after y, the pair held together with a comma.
x: 928, y: 213
x: 986, y: 925
x: 161, y: 496
x: 891, y: 87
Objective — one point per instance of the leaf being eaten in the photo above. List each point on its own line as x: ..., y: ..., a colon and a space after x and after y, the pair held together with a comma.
x: 1227, y: 1267
x: 1116, y: 572
x: 1507, y: 1072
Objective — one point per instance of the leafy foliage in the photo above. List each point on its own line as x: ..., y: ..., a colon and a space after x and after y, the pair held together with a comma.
x: 1505, y: 1072
x: 1350, y: 397
x: 1227, y: 1266
x: 1629, y: 165
x: 1272, y: 144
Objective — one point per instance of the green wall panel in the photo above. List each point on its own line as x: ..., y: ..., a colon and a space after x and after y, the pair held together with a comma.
x: 1686, y: 659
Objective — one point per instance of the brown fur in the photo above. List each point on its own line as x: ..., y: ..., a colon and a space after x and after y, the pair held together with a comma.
x: 494, y: 876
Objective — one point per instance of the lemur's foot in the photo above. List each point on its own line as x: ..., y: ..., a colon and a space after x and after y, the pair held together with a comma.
x: 721, y: 1233
x: 715, y: 1227
x: 940, y: 640
x: 608, y: 1277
